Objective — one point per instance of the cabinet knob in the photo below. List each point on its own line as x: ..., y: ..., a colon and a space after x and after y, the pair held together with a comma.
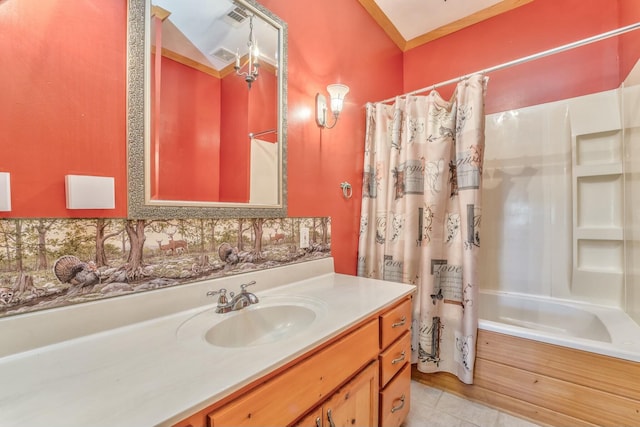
x: 401, y: 322
x: 330, y: 418
x: 399, y: 359
x: 400, y: 406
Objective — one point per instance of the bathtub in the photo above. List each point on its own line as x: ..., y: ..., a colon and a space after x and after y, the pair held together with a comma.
x: 597, y: 329
x: 554, y: 362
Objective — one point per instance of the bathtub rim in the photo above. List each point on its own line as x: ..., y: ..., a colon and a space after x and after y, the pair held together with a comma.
x: 621, y: 327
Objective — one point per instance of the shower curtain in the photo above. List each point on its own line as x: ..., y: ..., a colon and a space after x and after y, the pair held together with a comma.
x: 420, y: 216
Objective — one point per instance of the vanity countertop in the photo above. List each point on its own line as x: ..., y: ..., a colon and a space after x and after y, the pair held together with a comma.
x: 148, y: 374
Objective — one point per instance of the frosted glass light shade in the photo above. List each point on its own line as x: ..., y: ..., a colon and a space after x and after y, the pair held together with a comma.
x: 90, y: 192
x: 5, y: 192
x: 337, y: 93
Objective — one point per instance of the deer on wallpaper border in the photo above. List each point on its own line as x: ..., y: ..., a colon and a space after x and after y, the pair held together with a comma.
x: 165, y: 249
x: 278, y: 238
x: 177, y: 244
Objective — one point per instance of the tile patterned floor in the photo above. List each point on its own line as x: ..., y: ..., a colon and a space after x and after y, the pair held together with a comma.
x: 431, y: 407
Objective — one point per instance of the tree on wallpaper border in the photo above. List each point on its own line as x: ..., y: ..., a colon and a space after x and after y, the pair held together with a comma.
x: 102, y: 235
x: 137, y: 237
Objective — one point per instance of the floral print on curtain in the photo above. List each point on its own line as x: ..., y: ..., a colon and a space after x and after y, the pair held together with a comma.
x: 420, y: 218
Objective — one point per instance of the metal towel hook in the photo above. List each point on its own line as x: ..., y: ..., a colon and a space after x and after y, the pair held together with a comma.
x: 347, y: 191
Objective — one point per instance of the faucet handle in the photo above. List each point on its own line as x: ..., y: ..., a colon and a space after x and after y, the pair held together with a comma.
x: 244, y: 286
x: 223, y: 295
x: 253, y: 299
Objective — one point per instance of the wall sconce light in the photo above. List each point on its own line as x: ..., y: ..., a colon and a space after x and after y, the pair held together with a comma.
x: 253, y: 65
x: 337, y: 93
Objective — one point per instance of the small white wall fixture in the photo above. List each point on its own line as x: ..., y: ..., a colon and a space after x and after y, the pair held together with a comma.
x: 5, y: 192
x: 90, y: 192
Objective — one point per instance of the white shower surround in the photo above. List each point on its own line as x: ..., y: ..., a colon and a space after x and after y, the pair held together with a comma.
x: 526, y: 227
x: 559, y: 208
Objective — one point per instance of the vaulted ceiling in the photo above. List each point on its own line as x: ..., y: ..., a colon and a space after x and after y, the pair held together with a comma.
x: 189, y: 31
x: 411, y: 23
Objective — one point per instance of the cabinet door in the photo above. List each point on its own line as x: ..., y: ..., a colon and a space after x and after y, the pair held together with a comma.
x: 355, y: 404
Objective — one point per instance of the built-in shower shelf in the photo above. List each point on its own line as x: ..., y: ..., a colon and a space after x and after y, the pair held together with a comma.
x: 599, y: 147
x: 598, y: 202
x: 598, y: 189
x: 600, y: 255
x: 604, y: 233
x: 607, y: 273
x: 599, y: 170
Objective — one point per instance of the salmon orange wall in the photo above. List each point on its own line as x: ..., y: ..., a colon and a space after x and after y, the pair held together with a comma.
x: 630, y: 43
x: 62, y: 101
x: 263, y: 102
x: 529, y: 29
x: 189, y: 132
x: 234, y: 179
x: 244, y: 112
x: 77, y: 121
x: 72, y: 119
x: 333, y: 41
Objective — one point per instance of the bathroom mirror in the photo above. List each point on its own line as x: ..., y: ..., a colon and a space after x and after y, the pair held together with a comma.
x: 203, y: 140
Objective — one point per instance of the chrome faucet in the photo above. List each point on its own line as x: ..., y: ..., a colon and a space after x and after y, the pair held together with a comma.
x: 237, y: 302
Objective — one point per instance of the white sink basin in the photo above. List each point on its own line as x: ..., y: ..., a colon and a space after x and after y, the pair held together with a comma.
x: 260, y: 326
x: 272, y: 319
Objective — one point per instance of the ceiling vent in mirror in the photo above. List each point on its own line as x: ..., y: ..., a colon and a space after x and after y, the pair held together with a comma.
x: 224, y: 54
x: 236, y: 16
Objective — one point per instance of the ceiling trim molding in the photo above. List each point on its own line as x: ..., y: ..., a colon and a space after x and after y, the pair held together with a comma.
x: 393, y: 33
x: 384, y: 22
x: 159, y: 12
x: 220, y: 74
x: 190, y: 62
x: 467, y: 21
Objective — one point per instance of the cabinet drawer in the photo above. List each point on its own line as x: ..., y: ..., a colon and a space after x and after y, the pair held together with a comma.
x: 394, y: 399
x: 394, y: 358
x: 394, y: 323
x: 281, y: 400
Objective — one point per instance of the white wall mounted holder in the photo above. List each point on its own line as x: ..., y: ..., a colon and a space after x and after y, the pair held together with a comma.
x: 90, y: 192
x: 5, y: 192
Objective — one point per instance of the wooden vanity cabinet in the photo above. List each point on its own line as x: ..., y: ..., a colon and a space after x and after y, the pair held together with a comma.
x: 282, y: 399
x: 395, y: 364
x: 345, y: 382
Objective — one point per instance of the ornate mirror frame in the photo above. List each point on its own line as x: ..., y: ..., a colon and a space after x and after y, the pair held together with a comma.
x: 138, y: 119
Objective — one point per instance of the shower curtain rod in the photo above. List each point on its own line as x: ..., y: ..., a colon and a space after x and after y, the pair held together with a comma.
x: 522, y: 60
x: 264, y: 132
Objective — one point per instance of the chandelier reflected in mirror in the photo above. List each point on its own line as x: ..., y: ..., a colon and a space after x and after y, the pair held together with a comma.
x: 253, y: 65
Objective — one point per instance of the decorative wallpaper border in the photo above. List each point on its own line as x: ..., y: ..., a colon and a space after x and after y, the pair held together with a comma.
x: 53, y: 262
